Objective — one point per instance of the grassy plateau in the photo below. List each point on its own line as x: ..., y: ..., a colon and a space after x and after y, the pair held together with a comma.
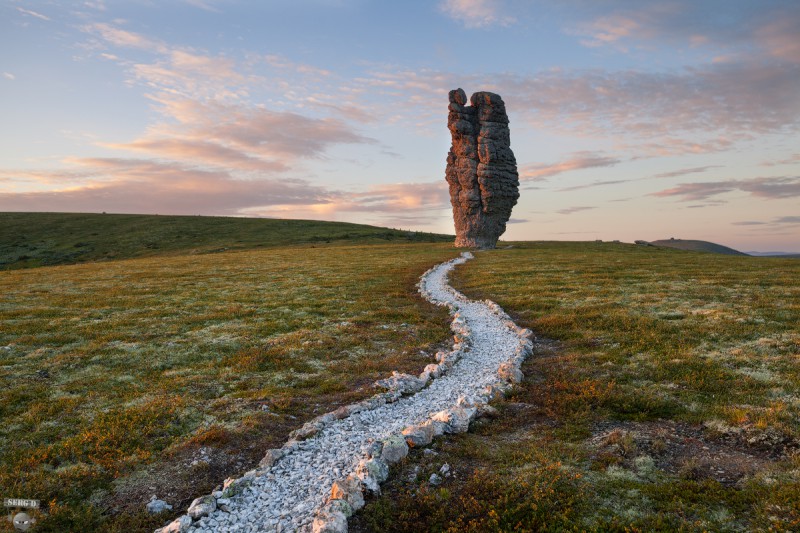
x: 164, y: 375
x: 663, y: 395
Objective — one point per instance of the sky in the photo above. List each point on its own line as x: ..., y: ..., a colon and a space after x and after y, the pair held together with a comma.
x: 629, y: 119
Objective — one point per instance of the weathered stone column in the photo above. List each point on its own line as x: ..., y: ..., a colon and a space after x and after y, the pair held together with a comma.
x: 481, y: 168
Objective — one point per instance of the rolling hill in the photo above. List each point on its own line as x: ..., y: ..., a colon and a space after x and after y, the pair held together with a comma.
x: 696, y: 246
x: 46, y: 239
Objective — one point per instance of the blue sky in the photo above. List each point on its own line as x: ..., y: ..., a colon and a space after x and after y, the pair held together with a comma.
x: 629, y: 119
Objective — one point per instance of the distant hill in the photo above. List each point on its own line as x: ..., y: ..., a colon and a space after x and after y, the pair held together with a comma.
x: 696, y: 246
x: 42, y: 239
x: 792, y: 255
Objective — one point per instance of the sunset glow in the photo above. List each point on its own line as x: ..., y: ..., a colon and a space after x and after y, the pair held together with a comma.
x: 629, y: 120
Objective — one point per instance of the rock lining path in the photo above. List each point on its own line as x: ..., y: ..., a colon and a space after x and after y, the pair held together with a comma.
x: 350, y: 448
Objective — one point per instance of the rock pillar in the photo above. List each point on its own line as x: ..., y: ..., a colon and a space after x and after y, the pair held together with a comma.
x: 481, y: 168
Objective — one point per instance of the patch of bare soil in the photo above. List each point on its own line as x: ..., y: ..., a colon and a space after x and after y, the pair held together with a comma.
x: 195, y: 468
x: 690, y: 451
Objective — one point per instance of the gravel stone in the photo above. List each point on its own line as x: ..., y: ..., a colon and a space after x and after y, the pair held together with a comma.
x: 291, y: 489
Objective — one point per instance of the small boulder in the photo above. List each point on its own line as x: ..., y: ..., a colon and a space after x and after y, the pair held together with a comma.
x: 509, y: 372
x: 156, y: 506
x: 457, y: 419
x: 202, y: 506
x: 402, y: 383
x: 271, y: 457
x: 394, y: 449
x: 308, y: 430
x: 433, y: 370
x: 332, y: 518
x: 420, y: 435
x: 372, y: 473
x: 349, y: 490
x: 179, y: 525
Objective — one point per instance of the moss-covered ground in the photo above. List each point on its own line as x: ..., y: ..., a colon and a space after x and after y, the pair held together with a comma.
x: 664, y: 395
x: 165, y: 375
x: 46, y: 239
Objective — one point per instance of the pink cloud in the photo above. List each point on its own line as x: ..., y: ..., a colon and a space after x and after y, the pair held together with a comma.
x: 140, y: 186
x: 400, y: 204
x: 779, y: 37
x: 199, y: 152
x: 476, y: 13
x: 791, y: 160
x: 577, y: 161
x: 685, y: 171
x: 768, y: 187
x: 576, y: 209
x: 126, y: 39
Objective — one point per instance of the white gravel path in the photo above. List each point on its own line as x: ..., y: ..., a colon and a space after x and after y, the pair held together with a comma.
x: 287, y: 495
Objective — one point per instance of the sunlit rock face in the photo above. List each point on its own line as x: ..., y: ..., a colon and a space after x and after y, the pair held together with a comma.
x: 481, y: 168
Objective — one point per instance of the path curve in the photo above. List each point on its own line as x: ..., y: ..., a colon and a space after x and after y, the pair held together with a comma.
x: 350, y: 447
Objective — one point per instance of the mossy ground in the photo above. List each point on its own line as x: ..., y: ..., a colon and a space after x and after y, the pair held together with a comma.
x: 664, y: 395
x: 45, y: 239
x: 164, y: 375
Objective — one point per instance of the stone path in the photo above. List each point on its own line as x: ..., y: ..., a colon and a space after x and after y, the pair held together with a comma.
x: 348, y: 450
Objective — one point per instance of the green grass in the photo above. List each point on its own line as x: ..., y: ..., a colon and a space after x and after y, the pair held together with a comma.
x: 664, y: 394
x: 165, y: 375
x: 42, y: 239
x: 654, y: 370
x: 696, y: 246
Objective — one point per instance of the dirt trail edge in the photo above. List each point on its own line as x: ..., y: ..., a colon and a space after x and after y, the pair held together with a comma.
x: 319, y: 477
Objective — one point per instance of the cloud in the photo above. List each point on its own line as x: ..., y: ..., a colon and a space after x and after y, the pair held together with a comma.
x: 201, y: 152
x: 766, y: 28
x: 402, y: 197
x: 31, y: 13
x: 685, y: 171
x: 126, y: 39
x: 769, y: 188
x: 142, y: 186
x: 517, y: 220
x: 282, y: 62
x: 576, y: 161
x: 153, y: 186
x: 609, y: 29
x: 576, y: 209
x: 779, y: 37
x: 9, y: 76
x: 591, y: 185
x: 795, y: 158
x: 706, y: 102
x: 275, y: 133
x: 691, y: 110
x: 476, y: 13
x: 777, y: 221
x: 207, y: 117
x: 398, y: 204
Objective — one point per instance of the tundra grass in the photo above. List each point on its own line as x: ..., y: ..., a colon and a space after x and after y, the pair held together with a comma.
x: 162, y: 376
x: 664, y: 395
x: 41, y: 239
